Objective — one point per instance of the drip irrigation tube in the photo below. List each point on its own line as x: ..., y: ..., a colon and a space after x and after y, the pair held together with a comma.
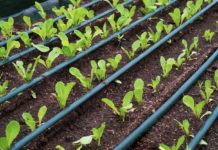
x: 212, y: 118
x: 16, y: 37
x: 80, y: 55
x: 26, y: 51
x: 100, y: 86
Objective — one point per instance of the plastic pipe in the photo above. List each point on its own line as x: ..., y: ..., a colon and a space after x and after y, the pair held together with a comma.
x: 16, y: 37
x: 28, y: 50
x: 78, y: 56
x: 212, y: 118
x: 96, y: 89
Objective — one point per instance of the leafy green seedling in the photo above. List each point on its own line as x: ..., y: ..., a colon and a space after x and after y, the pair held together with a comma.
x: 96, y: 135
x: 25, y: 38
x: 155, y: 36
x: 176, y: 16
x: 11, y: 132
x: 166, y: 65
x: 143, y: 40
x: 180, y: 60
x: 30, y: 121
x: 188, y: 49
x: 59, y: 11
x: 184, y: 125
x: 26, y: 74
x: 3, y: 87
x: 168, y: 28
x: 99, y: 69
x: 163, y: 2
x: 40, y: 10
x: 75, y: 3
x: 114, y: 3
x: 126, y: 105
x: 62, y: 27
x: 154, y: 83
x: 85, y: 81
x: 59, y: 147
x: 208, y: 35
x: 149, y: 6
x: 63, y: 92
x: 11, y: 44
x: 179, y: 143
x: 28, y: 22
x: 216, y: 78
x: 138, y: 90
x: 7, y: 27
x: 104, y: 32
x: 206, y: 91
x: 114, y: 62
x: 135, y: 46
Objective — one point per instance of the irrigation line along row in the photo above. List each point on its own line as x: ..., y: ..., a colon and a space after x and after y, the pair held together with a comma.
x: 16, y: 37
x: 78, y: 56
x: 100, y: 86
x: 28, y: 50
x: 208, y: 123
x: 148, y: 123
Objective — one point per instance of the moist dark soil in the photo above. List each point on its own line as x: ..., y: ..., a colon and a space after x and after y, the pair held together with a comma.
x: 167, y: 131
x: 80, y: 122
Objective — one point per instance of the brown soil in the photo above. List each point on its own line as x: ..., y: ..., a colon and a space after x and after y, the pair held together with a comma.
x: 94, y: 112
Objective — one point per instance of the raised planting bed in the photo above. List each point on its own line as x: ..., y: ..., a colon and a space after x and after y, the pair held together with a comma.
x: 82, y: 99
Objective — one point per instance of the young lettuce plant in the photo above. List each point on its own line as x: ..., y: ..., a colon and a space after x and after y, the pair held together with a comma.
x: 134, y: 48
x: 30, y: 121
x: 166, y: 65
x: 11, y: 132
x: 143, y: 40
x: 99, y: 69
x: 184, y: 126
x: 75, y: 3
x: 196, y: 108
x: 179, y: 143
x: 7, y: 27
x: 11, y: 44
x: 168, y: 28
x: 26, y: 74
x: 138, y: 90
x: 62, y: 27
x: 176, y: 16
x: 124, y: 19
x: 155, y: 36
x: 113, y: 4
x: 25, y: 38
x: 28, y: 22
x: 188, y: 49
x: 59, y: 11
x: 149, y: 6
x: 216, y: 79
x: 114, y: 62
x: 126, y: 105
x: 97, y: 134
x: 208, y: 35
x: 206, y: 91
x: 3, y: 88
x: 63, y: 92
x: 46, y: 29
x: 162, y: 2
x: 85, y: 81
x: 59, y: 147
x: 180, y: 60
x: 104, y: 32
x: 154, y: 83
x: 40, y: 10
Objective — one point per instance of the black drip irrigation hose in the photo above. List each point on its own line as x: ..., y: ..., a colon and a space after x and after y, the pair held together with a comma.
x: 110, y: 79
x: 28, y: 50
x: 79, y: 55
x: 16, y: 37
x: 197, y: 138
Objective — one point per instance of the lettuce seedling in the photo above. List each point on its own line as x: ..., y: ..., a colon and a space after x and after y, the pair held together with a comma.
x: 11, y: 132
x: 163, y: 2
x: 180, y: 60
x: 99, y: 69
x: 114, y: 62
x: 176, y: 16
x: 155, y: 36
x: 114, y: 3
x: 216, y: 78
x: 30, y: 121
x: 154, y: 83
x: 134, y: 48
x: 206, y: 91
x: 75, y: 3
x: 166, y: 65
x: 40, y: 10
x: 26, y: 74
x: 28, y: 22
x: 41, y: 48
x: 138, y: 90
x: 96, y: 135
x: 196, y: 108
x: 188, y: 49
x: 11, y: 44
x: 179, y: 143
x: 59, y: 147
x: 7, y: 27
x: 63, y: 92
x: 25, y: 38
x: 3, y: 87
x: 149, y: 6
x: 46, y: 29
x: 126, y: 105
x: 62, y: 27
x: 85, y: 81
x: 143, y: 40
x: 124, y: 19
x: 208, y: 35
x: 59, y: 11
x: 184, y: 125
x: 168, y: 28
x: 104, y: 32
